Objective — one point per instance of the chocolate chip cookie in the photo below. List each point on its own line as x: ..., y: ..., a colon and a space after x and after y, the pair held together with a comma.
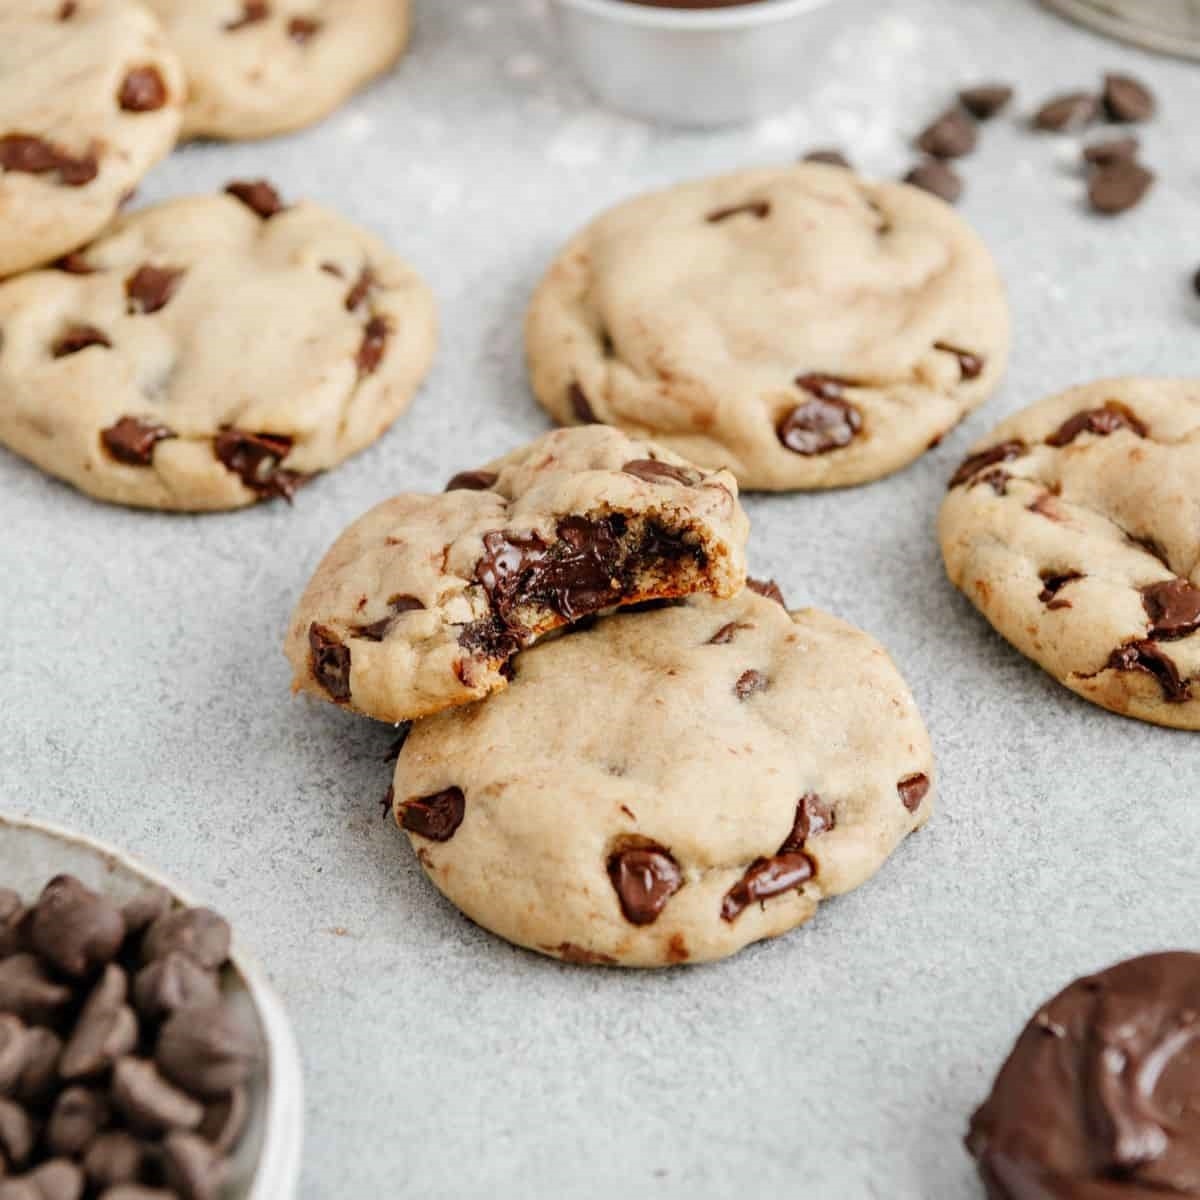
x: 801, y: 326
x: 91, y: 98
x: 1098, y: 1098
x: 261, y: 67
x: 422, y: 603
x: 669, y: 786
x: 212, y: 351
x: 1074, y: 527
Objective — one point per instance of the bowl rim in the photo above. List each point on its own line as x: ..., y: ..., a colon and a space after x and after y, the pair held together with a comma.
x: 741, y: 16
x: 277, y: 1173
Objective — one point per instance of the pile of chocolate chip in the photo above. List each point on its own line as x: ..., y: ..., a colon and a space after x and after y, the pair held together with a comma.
x: 123, y: 1070
x: 1117, y: 180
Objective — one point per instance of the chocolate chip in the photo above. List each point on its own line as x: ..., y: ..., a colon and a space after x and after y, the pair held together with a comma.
x: 39, y: 1077
x: 256, y: 459
x: 1069, y: 111
x: 472, y: 481
x: 970, y: 366
x: 950, y: 135
x: 824, y: 387
x: 193, y: 1167
x: 172, y: 982
x: 35, y: 156
x: 142, y: 90
x: 78, y: 1115
x: 764, y: 878
x: 748, y: 683
x: 374, y: 344
x: 75, y: 263
x: 976, y: 463
x: 652, y: 471
x: 149, y: 1101
x: 258, y: 195
x: 361, y: 289
x: 985, y: 100
x: 17, y: 1134
x: 571, y: 953
x: 645, y: 877
x: 329, y: 661
x: 145, y: 908
x: 1127, y: 99
x: 376, y: 631
x: 1119, y: 187
x: 1173, y: 608
x: 913, y: 789
x: 12, y: 924
x: 106, y: 1030
x: 253, y: 11
x: 813, y: 818
x: 1053, y: 584
x: 1099, y: 421
x: 75, y: 929
x: 57, y: 1179
x: 436, y: 817
x: 206, y: 1050
x: 754, y: 208
x: 14, y: 1051
x: 726, y: 633
x: 132, y: 440
x: 302, y: 29
x: 225, y: 1119
x: 768, y: 588
x: 28, y: 992
x: 1146, y: 656
x: 149, y: 288
x: 203, y: 935
x: 818, y: 426
x: 114, y: 1158
x: 67, y: 9
x: 827, y: 155
x: 580, y: 406
x: 1110, y: 150
x: 936, y: 177
x: 77, y: 338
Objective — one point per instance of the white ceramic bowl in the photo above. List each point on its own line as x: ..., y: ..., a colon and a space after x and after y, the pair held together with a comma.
x: 266, y: 1165
x: 700, y: 67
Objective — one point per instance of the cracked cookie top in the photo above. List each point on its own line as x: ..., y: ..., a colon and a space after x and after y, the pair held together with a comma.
x: 1075, y: 529
x: 801, y: 326
x: 208, y: 352
x: 423, y: 603
x: 670, y: 786
x: 91, y: 97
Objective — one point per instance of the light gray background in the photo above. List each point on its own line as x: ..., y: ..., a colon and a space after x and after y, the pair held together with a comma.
x: 144, y: 698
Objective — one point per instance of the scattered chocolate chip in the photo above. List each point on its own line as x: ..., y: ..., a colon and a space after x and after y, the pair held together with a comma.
x: 77, y: 1117
x: 302, y: 29
x: 361, y: 289
x: 145, y: 908
x: 652, y: 471
x: 206, y: 1050
x: 149, y: 288
x: 764, y: 878
x: 571, y: 953
x: 1173, y: 608
x: 149, y: 1101
x: 1053, y: 584
x: 1146, y: 656
x: 985, y: 100
x: 374, y: 344
x: 436, y: 817
x: 35, y: 156
x: 748, y: 683
x: 1110, y: 150
x: 142, y: 90
x: 970, y: 366
x: 645, y: 878
x: 753, y: 208
x: 1127, y: 99
x: 813, y: 818
x: 77, y: 338
x: 28, y: 992
x: 57, y: 1179
x: 253, y: 11
x: 827, y: 155
x: 172, y: 982
x: 768, y: 588
x: 115, y: 1157
x: 192, y: 1167
x: 1113, y: 415
x: 330, y: 661
x: 726, y: 633
x: 936, y: 177
x: 74, y: 929
x: 132, y: 440
x: 105, y: 1031
x: 1070, y: 111
x: 581, y: 406
x: 950, y: 135
x: 14, y: 1051
x: 17, y: 1133
x: 257, y: 194
x: 39, y: 1076
x: 818, y: 426
x: 976, y: 463
x: 1119, y: 186
x: 913, y: 789
x: 256, y: 458
x: 225, y: 1119
x: 376, y: 631
x: 472, y: 481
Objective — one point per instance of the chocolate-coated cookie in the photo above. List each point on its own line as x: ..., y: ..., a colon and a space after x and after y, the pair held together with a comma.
x: 1098, y: 1099
x: 801, y: 326
x: 423, y: 602
x: 91, y: 97
x: 1074, y: 527
x: 668, y: 786
x: 261, y: 67
x: 211, y: 351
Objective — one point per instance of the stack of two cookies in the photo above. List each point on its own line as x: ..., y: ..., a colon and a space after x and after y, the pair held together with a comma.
x: 679, y: 766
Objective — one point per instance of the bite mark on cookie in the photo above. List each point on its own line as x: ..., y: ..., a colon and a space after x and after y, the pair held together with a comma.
x: 645, y: 876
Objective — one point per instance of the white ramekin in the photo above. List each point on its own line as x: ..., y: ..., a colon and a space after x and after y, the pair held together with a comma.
x: 266, y: 1165
x: 699, y: 67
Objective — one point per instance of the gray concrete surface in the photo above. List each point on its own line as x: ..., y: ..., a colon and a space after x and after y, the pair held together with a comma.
x: 144, y: 698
